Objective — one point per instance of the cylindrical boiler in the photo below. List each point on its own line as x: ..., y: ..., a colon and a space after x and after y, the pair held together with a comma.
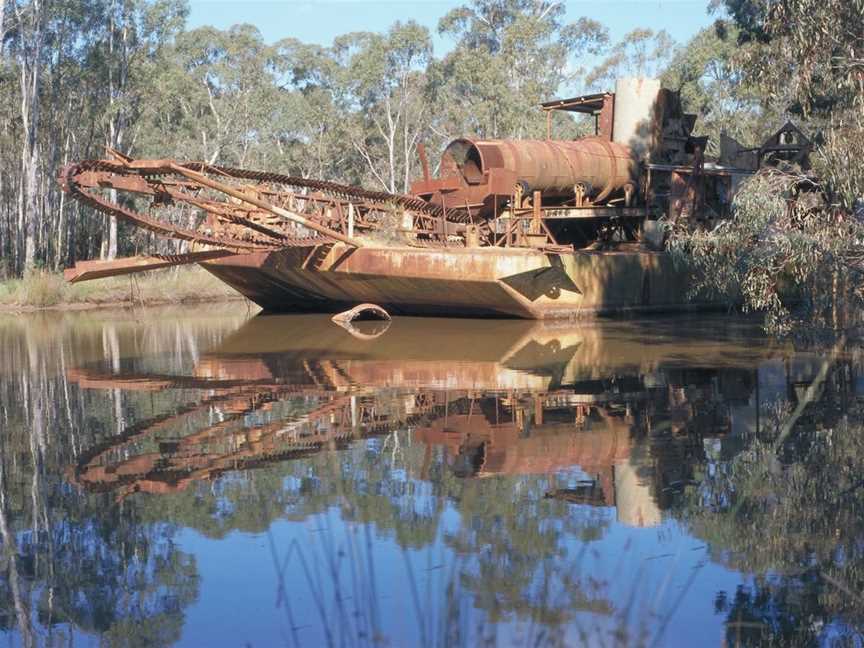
x: 550, y: 166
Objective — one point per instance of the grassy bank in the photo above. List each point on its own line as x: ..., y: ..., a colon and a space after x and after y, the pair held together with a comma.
x: 45, y: 290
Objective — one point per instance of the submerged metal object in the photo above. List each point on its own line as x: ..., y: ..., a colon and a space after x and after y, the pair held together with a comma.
x: 362, y: 312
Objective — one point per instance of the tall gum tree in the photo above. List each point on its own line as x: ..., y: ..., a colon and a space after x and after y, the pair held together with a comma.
x: 132, y: 33
x: 381, y: 83
x: 307, y: 133
x: 508, y: 57
x: 219, y: 88
x: 642, y: 52
x: 804, y: 59
x: 30, y: 23
x: 712, y: 86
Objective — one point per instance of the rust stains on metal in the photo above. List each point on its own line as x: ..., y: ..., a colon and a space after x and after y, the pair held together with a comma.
x: 251, y: 198
x: 88, y: 270
x: 483, y: 172
x: 362, y: 311
x: 247, y: 211
x: 524, y: 228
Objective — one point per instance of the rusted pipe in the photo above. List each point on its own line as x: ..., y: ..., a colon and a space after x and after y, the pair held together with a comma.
x: 362, y: 311
x: 424, y: 162
x: 483, y: 173
x: 550, y: 166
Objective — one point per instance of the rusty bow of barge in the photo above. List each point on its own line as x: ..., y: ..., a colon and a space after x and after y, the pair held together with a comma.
x: 514, y: 228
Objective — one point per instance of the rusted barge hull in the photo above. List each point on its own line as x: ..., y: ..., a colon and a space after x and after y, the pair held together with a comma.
x: 458, y: 281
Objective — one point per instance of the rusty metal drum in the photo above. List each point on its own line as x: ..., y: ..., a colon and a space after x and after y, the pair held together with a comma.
x: 553, y: 167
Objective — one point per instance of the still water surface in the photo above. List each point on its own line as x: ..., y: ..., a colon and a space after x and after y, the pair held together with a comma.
x: 203, y: 478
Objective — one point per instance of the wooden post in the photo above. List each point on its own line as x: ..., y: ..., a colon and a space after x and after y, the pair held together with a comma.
x: 536, y: 228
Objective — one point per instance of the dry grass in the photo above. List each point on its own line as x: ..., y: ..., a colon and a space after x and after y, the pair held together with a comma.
x: 177, y: 285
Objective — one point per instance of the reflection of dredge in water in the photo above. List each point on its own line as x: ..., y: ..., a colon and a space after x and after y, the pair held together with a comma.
x: 634, y: 434
x: 257, y: 427
x: 635, y: 438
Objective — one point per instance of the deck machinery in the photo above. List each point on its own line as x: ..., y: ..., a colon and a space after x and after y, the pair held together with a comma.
x: 641, y: 163
x: 525, y: 228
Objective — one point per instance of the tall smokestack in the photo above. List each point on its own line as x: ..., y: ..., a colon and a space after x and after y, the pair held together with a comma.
x: 635, y: 98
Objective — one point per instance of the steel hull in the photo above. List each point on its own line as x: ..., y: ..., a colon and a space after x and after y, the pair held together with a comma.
x: 485, y: 282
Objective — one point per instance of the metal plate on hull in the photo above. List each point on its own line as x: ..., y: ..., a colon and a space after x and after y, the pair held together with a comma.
x: 461, y: 282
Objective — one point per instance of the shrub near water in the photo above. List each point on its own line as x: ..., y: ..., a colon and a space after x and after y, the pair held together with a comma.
x: 44, y: 289
x: 40, y: 289
x: 792, y: 251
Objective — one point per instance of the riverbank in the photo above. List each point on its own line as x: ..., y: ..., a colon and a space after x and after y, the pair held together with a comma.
x: 49, y: 291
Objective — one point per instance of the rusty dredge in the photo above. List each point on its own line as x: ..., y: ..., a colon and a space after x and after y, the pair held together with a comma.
x: 518, y: 228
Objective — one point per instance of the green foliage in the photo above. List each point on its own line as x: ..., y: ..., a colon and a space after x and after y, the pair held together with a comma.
x: 839, y: 162
x: 794, y: 238
x: 806, y: 52
x: 782, y: 248
x: 711, y: 85
x: 793, y: 517
x: 642, y: 52
x: 508, y: 57
x: 45, y: 289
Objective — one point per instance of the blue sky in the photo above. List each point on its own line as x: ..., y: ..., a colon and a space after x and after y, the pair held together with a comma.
x: 319, y: 21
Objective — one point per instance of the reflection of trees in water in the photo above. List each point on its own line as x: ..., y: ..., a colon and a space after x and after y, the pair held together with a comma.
x: 522, y: 563
x: 511, y: 555
x: 514, y: 557
x: 519, y: 555
x: 794, y: 517
x: 71, y: 562
x: 80, y: 562
x: 511, y: 551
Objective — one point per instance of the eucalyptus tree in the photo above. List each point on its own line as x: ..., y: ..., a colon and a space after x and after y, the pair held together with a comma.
x: 29, y: 47
x: 76, y: 75
x: 307, y: 135
x: 214, y: 92
x: 131, y: 35
x: 508, y: 57
x: 712, y: 86
x: 42, y: 46
x: 803, y: 64
x: 2, y: 24
x: 381, y: 85
x: 641, y: 52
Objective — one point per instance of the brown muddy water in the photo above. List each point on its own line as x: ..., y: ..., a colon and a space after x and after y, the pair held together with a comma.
x: 202, y: 477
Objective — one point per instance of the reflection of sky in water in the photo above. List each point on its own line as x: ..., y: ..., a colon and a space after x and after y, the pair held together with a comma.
x: 469, y: 454
x: 662, y: 571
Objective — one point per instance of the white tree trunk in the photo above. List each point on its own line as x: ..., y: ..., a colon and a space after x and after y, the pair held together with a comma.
x: 30, y: 206
x: 2, y: 25
x: 111, y: 251
x: 30, y: 78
